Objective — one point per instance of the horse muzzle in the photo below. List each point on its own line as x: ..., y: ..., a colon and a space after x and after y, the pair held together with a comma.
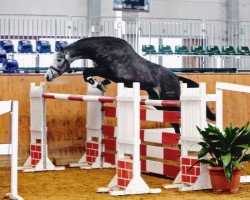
x: 48, y: 75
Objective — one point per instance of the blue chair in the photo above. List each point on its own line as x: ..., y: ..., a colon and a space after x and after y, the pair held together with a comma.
x: 60, y: 44
x: 43, y: 46
x: 2, y: 55
x: 7, y: 45
x: 25, y: 46
x: 10, y: 66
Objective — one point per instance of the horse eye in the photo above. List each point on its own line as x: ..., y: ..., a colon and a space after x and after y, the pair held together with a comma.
x: 58, y: 60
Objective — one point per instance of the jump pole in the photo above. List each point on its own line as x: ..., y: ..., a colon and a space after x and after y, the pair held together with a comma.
x: 12, y: 148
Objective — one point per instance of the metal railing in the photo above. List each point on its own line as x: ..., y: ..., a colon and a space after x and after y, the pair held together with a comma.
x: 138, y: 32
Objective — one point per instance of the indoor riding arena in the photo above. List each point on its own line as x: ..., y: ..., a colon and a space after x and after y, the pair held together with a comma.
x: 125, y: 99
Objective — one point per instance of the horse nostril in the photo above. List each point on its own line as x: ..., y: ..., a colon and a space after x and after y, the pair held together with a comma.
x: 47, y: 78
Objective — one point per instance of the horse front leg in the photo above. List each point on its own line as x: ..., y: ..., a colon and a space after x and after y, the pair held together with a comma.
x: 89, y: 72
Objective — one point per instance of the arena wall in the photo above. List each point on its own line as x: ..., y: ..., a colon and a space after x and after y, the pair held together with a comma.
x: 67, y: 120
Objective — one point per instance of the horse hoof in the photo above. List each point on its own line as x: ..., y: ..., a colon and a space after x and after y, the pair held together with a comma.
x: 101, y: 87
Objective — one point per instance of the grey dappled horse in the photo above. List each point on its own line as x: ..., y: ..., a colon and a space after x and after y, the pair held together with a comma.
x: 116, y: 60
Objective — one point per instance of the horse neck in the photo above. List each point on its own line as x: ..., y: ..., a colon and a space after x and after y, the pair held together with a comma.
x: 81, y: 50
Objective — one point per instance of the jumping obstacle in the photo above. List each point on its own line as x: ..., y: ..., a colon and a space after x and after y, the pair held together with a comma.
x: 193, y: 106
x: 193, y: 101
x: 12, y: 148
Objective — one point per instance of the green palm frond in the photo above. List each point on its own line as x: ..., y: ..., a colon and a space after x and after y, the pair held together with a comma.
x: 225, y: 149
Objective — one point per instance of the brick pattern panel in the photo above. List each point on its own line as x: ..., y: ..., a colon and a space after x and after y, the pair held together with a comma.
x: 91, y: 151
x: 189, y: 175
x: 35, y: 153
x: 124, y: 173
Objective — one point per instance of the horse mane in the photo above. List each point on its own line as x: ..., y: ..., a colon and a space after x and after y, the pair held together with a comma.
x: 96, y: 48
x: 98, y: 39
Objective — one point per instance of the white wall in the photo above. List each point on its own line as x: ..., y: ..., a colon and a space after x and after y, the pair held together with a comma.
x: 244, y: 10
x: 187, y: 9
x: 44, y: 7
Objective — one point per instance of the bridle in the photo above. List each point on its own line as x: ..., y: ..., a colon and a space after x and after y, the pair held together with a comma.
x: 58, y: 70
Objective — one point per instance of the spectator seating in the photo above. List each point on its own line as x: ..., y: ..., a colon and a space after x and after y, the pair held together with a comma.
x: 197, y: 50
x: 43, y: 46
x: 243, y: 50
x: 181, y: 49
x: 165, y: 49
x: 7, y: 45
x: 212, y: 50
x: 228, y: 50
x: 2, y: 55
x: 25, y: 46
x: 148, y: 49
x: 60, y: 44
x: 10, y: 66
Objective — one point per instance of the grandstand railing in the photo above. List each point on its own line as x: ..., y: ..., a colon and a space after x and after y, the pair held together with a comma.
x: 139, y: 31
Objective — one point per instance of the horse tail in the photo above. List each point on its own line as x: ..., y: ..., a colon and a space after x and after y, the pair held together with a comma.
x: 191, y: 83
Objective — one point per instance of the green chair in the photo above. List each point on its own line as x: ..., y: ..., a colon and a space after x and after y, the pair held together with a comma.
x: 212, y: 50
x: 165, y: 49
x: 243, y: 50
x: 228, y: 50
x: 148, y: 49
x: 181, y: 49
x: 197, y: 50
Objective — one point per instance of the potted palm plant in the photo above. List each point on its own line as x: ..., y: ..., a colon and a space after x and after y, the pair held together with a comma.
x: 224, y: 152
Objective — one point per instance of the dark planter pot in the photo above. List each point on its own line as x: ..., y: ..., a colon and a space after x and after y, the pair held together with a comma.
x: 219, y: 182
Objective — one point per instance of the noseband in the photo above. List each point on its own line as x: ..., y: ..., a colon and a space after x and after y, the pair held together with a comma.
x: 58, y: 70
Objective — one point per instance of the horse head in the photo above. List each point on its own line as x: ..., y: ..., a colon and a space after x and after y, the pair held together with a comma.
x: 60, y: 65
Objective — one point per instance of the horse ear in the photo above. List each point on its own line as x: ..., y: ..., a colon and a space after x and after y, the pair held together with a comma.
x: 59, y: 48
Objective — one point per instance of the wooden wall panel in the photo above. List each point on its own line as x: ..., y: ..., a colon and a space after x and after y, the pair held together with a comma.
x: 66, y: 120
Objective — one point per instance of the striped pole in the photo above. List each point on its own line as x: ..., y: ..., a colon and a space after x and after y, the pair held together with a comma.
x: 103, y: 99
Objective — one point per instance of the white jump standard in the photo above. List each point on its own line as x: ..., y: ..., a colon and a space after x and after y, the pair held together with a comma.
x: 38, y: 159
x: 12, y: 148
